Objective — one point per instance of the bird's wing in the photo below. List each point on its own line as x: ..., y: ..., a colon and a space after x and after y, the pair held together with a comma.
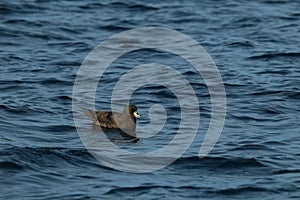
x: 106, y: 119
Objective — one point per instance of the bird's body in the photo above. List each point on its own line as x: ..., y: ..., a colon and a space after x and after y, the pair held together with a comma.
x: 113, y: 120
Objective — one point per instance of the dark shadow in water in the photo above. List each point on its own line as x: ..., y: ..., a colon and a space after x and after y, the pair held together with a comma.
x: 116, y: 135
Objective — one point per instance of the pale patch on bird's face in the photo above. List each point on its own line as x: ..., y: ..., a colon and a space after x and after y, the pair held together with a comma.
x: 136, y: 114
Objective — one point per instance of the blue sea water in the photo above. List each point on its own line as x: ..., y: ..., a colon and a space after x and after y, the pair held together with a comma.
x: 255, y: 46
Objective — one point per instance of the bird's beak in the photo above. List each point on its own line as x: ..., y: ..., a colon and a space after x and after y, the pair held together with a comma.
x: 136, y: 114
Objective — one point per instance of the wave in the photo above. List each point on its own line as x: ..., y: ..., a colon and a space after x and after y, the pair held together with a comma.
x: 275, y: 71
x: 115, y: 27
x: 276, y: 55
x: 56, y: 81
x: 241, y: 190
x: 249, y: 147
x: 287, y: 171
x: 145, y: 189
x: 23, y: 158
x: 219, y: 162
x: 140, y: 7
x: 23, y: 22
x: 275, y: 1
x: 241, y: 44
x: 9, y: 8
x: 15, y: 157
x: 10, y: 165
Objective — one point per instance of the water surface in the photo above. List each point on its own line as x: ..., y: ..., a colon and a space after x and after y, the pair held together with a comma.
x: 255, y: 46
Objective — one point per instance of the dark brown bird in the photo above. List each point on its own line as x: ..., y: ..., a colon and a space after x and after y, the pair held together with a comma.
x: 114, y: 120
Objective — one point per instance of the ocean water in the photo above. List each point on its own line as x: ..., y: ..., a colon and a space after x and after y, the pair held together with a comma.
x: 255, y: 46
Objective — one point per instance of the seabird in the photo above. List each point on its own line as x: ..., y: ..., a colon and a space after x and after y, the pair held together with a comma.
x: 125, y: 121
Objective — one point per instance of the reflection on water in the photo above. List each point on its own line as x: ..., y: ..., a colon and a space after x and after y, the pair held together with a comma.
x: 115, y: 135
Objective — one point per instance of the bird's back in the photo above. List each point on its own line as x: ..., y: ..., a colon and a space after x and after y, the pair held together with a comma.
x: 103, y: 118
